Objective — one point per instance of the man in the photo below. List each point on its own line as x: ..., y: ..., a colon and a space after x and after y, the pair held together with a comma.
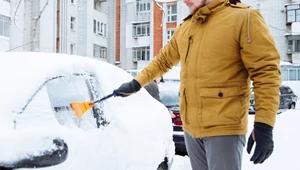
x: 222, y: 45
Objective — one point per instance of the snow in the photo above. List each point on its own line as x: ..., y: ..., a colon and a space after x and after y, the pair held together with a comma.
x: 116, y: 146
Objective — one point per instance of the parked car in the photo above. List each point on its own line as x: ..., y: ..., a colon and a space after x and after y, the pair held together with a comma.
x: 36, y: 92
x: 287, y: 100
x: 169, y: 94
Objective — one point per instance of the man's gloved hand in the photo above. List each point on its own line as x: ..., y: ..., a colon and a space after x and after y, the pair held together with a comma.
x: 262, y: 134
x: 126, y: 89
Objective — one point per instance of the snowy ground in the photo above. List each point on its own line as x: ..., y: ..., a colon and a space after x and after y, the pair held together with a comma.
x: 286, y: 141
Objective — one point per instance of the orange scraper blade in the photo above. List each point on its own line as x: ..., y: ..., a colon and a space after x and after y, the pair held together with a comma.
x: 81, y: 107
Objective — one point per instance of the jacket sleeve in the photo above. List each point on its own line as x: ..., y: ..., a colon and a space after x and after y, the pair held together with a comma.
x: 167, y: 57
x: 261, y: 59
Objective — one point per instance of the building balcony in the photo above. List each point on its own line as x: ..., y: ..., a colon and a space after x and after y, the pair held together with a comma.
x: 142, y: 16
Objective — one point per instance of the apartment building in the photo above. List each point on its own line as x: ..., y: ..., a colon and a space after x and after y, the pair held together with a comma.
x: 274, y: 14
x: 127, y: 33
x: 82, y: 28
x: 292, y: 9
x: 4, y: 24
x: 141, y: 27
x: 291, y: 72
x: 63, y: 26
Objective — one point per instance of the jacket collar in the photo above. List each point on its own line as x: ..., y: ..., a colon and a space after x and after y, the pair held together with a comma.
x: 202, y: 13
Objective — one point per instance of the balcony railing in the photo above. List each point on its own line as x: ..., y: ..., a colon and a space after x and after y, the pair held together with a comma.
x: 142, y: 16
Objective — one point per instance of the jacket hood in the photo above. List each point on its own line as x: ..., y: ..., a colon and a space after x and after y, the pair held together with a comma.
x: 202, y: 13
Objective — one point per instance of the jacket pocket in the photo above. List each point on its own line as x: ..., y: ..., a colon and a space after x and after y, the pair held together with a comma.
x: 183, y: 105
x: 221, y: 106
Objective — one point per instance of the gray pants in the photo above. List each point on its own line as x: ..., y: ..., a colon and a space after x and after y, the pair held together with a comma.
x: 215, y: 153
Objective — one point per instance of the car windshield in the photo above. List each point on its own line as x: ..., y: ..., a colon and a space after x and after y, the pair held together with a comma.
x: 285, y: 90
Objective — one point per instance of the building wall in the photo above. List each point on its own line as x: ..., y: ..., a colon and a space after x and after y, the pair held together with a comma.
x: 29, y: 33
x: 111, y: 34
x: 158, y: 26
x: 275, y: 17
x: 128, y: 17
x: 122, y: 33
x: 4, y: 10
x: 18, y: 32
x: 47, y: 31
x: 95, y: 38
x: 55, y: 22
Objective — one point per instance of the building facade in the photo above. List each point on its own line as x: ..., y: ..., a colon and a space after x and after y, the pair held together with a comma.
x: 82, y: 28
x: 5, y: 22
x: 292, y: 16
x: 127, y: 33
x: 63, y: 26
x: 141, y: 27
x: 145, y: 26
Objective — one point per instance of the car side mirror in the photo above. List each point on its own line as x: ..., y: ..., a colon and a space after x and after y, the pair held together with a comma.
x: 46, y: 159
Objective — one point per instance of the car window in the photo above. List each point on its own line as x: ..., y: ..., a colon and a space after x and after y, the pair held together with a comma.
x: 54, y: 98
x: 62, y: 92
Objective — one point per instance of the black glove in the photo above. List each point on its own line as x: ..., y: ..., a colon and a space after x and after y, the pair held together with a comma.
x: 126, y: 89
x: 262, y: 134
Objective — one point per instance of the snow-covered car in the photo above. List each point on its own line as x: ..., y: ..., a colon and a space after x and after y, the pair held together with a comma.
x: 36, y: 120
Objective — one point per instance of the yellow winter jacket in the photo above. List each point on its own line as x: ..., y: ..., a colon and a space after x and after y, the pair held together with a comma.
x: 221, y: 48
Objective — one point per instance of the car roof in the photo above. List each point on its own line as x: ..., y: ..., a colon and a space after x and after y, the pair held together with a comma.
x: 23, y: 72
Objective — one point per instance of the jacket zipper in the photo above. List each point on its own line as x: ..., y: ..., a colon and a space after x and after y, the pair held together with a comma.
x: 188, y: 48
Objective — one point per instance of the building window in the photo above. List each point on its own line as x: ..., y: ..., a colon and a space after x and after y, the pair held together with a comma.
x: 141, y: 29
x: 100, y: 28
x: 142, y: 6
x: 95, y: 26
x: 293, y: 13
x: 172, y: 13
x: 99, y: 4
x: 169, y: 34
x: 73, y: 1
x: 100, y: 52
x: 293, y: 46
x: 141, y: 53
x: 290, y: 73
x: 104, y: 30
x: 4, y: 25
x: 72, y: 49
x: 73, y: 22
x: 143, y: 12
